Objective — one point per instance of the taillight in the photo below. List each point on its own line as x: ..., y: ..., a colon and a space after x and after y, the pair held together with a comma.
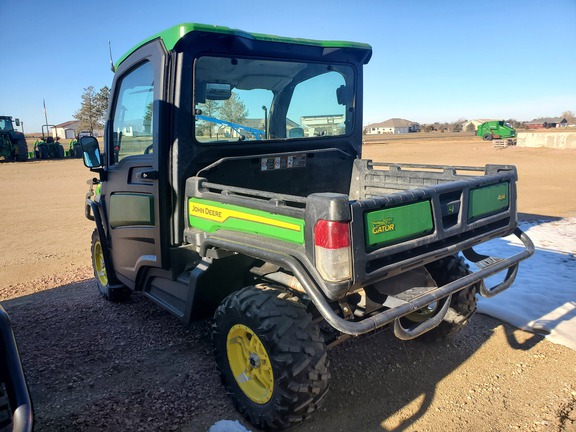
x: 332, y: 247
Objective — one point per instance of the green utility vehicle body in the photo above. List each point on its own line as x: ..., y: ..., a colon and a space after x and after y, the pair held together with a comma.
x: 13, y: 145
x: 203, y: 214
x: 496, y: 130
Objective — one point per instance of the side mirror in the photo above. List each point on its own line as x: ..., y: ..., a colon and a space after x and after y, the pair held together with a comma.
x: 17, y: 121
x: 91, y: 152
x: 344, y: 95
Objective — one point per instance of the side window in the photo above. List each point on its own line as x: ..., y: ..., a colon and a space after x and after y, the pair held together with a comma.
x: 316, y: 107
x: 133, y: 114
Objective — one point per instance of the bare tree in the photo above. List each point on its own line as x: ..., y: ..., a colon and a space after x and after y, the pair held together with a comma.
x: 234, y: 110
x: 569, y: 116
x: 92, y: 112
x: 209, y: 109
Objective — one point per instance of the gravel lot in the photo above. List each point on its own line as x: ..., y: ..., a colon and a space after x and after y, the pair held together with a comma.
x: 94, y: 365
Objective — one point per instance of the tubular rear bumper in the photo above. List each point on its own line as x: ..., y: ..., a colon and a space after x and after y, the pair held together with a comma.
x: 308, y: 279
x: 13, y: 375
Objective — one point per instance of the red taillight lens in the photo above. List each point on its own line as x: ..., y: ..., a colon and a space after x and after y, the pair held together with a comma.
x: 332, y: 235
x: 332, y: 250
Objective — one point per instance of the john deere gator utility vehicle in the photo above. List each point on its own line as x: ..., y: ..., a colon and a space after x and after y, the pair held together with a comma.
x: 232, y: 187
x: 13, y: 145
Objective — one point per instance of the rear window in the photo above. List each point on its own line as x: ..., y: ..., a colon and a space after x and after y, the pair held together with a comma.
x: 238, y: 100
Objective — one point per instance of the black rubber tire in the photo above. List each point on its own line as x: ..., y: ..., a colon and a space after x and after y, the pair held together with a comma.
x: 22, y: 150
x: 488, y: 137
x: 295, y: 348
x: 59, y: 150
x: 43, y: 151
x: 77, y: 151
x: 116, y: 293
x: 463, y: 303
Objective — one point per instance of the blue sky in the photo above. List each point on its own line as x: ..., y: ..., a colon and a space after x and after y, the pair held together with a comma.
x: 432, y: 60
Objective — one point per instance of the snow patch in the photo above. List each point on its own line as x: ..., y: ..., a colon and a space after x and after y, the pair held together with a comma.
x: 543, y: 297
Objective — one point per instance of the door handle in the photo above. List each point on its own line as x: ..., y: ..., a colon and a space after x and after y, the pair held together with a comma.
x: 148, y: 175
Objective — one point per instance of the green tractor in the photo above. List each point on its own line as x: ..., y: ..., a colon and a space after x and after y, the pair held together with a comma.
x: 48, y: 147
x: 13, y: 145
x: 75, y: 149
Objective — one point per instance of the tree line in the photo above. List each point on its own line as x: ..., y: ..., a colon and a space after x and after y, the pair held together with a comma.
x: 94, y: 107
x: 457, y: 126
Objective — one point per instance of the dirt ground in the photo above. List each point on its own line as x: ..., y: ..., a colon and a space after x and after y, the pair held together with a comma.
x: 92, y: 365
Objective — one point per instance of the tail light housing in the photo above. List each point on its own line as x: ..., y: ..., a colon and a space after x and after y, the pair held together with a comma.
x: 332, y: 250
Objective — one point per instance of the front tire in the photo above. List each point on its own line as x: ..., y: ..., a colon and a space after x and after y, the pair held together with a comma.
x: 116, y: 293
x: 271, y: 357
x: 488, y: 137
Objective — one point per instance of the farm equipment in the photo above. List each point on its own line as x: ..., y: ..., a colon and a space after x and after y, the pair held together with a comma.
x: 48, y: 147
x: 75, y: 148
x: 290, y: 241
x: 13, y: 145
x: 499, y: 130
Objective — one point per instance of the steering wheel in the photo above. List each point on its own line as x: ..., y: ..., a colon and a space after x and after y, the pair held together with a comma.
x: 149, y: 149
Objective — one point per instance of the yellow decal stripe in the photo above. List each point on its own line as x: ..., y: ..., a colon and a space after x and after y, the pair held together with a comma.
x: 220, y: 215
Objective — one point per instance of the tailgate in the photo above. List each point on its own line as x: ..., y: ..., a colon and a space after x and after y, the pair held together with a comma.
x: 428, y: 212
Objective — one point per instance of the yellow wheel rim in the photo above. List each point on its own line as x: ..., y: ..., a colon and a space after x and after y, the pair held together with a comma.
x: 99, y: 265
x: 250, y: 364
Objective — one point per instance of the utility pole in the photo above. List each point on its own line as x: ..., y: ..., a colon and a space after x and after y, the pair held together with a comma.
x: 45, y: 114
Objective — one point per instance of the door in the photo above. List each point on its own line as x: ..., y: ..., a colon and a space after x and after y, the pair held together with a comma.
x: 130, y: 193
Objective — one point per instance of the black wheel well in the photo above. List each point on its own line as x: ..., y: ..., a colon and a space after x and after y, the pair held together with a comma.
x: 223, y: 277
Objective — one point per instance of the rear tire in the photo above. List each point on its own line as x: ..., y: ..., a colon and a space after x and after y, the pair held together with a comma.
x: 463, y: 303
x: 43, y: 151
x: 22, y: 150
x: 271, y: 357
x: 488, y: 137
x: 59, y: 150
x: 116, y: 293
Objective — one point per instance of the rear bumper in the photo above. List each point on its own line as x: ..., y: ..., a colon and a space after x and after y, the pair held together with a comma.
x: 488, y: 267
x: 13, y: 376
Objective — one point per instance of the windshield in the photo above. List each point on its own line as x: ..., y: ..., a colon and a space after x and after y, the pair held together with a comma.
x: 6, y: 125
x: 252, y: 99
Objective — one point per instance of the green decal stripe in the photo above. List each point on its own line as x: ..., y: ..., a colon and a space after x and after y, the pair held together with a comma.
x: 211, y: 216
x: 488, y: 200
x: 397, y: 224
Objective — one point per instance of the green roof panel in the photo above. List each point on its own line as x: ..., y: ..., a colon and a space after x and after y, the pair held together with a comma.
x: 171, y: 36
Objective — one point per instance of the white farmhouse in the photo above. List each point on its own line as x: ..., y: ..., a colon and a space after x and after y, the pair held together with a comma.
x: 66, y: 130
x: 392, y: 126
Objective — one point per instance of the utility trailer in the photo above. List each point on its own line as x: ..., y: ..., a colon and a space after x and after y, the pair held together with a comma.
x: 288, y: 240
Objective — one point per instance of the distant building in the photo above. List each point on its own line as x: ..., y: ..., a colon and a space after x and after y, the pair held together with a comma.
x: 66, y: 130
x: 392, y: 126
x: 546, y: 123
x: 69, y: 130
x: 328, y: 124
x: 475, y: 122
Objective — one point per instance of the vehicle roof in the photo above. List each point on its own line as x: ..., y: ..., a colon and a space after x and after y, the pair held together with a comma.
x: 171, y: 36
